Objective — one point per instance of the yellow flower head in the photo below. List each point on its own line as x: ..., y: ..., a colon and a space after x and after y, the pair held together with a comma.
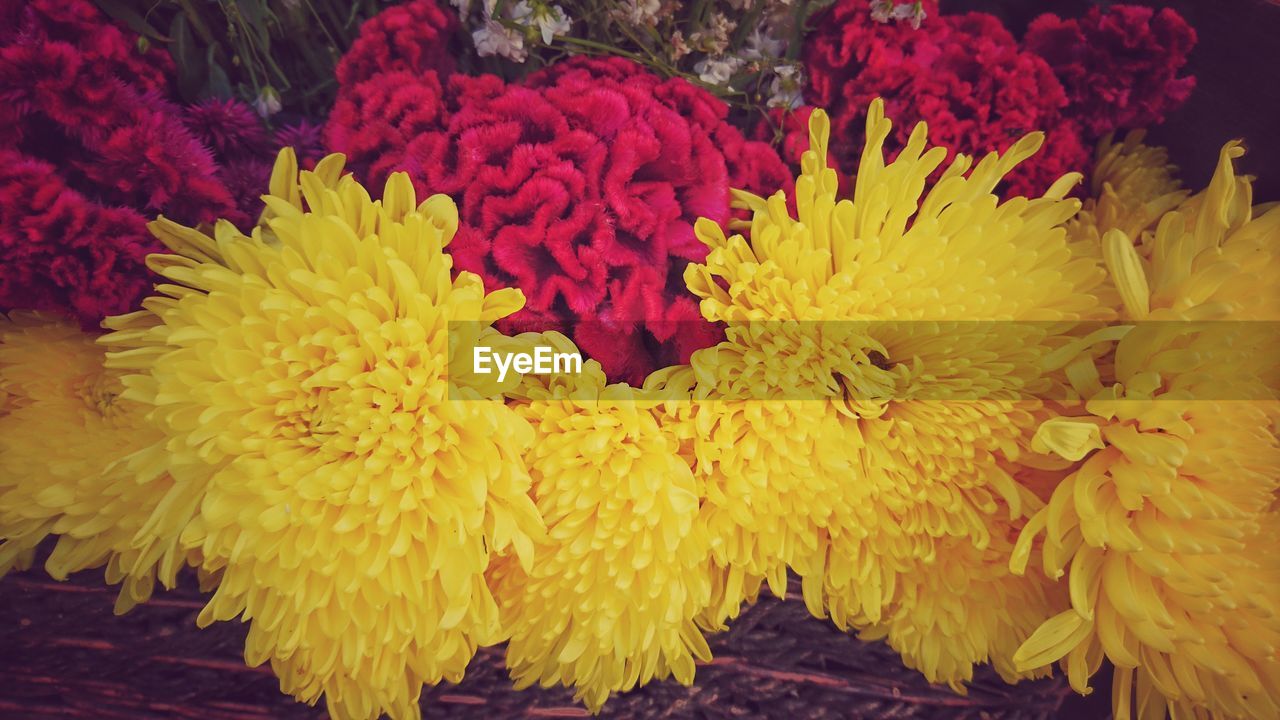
x: 349, y: 489
x: 62, y: 438
x: 610, y: 600
x: 1165, y: 528
x: 1133, y: 185
x: 964, y: 607
x: 880, y: 355
x: 1212, y: 258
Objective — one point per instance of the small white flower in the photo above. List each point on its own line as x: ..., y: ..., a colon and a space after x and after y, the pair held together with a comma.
x: 551, y: 20
x: 641, y: 12
x: 718, y: 69
x: 493, y: 38
x: 762, y: 45
x: 679, y: 48
x: 786, y: 89
x: 913, y: 11
x: 882, y: 10
x: 268, y: 102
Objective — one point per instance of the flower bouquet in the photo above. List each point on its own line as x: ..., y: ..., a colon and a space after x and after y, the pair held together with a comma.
x: 742, y: 358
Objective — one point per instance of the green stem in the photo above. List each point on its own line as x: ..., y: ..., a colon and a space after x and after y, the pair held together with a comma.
x: 193, y: 17
x: 603, y: 47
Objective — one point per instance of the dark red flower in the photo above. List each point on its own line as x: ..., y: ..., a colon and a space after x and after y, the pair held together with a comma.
x: 113, y: 51
x: 307, y: 140
x: 228, y: 127
x: 82, y: 110
x: 964, y: 75
x: 384, y: 123
x: 62, y: 251
x: 1119, y: 65
x: 579, y: 186
x: 414, y: 37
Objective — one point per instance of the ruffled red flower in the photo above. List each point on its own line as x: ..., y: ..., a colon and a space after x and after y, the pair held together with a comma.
x: 414, y: 37
x: 1119, y: 66
x: 579, y: 186
x: 79, y: 24
x: 62, y: 251
x: 391, y: 121
x: 963, y: 74
x: 81, y: 103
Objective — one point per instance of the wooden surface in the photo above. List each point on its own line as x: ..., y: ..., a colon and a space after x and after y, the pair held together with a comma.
x: 66, y: 656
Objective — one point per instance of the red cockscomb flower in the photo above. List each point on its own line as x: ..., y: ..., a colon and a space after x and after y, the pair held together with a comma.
x: 62, y: 251
x: 579, y: 186
x: 1119, y: 66
x: 84, y: 105
x: 963, y: 74
x: 79, y: 24
x: 415, y: 37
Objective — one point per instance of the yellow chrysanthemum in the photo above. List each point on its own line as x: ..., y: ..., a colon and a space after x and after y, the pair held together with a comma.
x: 61, y: 442
x: 1166, y: 527
x: 768, y: 471
x: 610, y: 600
x: 348, y: 487
x: 1133, y: 185
x: 880, y: 358
x: 964, y: 607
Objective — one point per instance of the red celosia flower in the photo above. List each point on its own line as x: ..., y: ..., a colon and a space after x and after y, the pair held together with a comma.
x: 63, y: 252
x: 228, y: 128
x: 388, y: 122
x: 307, y: 140
x: 154, y: 163
x: 79, y: 24
x: 1119, y: 65
x: 415, y: 37
x: 244, y: 150
x: 579, y: 186
x: 788, y: 130
x: 77, y: 95
x: 963, y: 74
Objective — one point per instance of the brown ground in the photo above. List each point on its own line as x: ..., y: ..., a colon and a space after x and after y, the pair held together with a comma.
x: 66, y: 656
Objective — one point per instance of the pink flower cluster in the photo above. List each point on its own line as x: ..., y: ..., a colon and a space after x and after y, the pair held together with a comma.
x: 579, y: 185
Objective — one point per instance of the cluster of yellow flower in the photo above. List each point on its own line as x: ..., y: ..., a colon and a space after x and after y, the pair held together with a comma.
x: 920, y: 388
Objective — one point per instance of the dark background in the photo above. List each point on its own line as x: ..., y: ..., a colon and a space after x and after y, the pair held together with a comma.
x: 63, y: 654
x: 1237, y: 67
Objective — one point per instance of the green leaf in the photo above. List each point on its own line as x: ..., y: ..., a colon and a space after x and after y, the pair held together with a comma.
x: 218, y: 84
x: 255, y: 16
x: 191, y: 63
x: 121, y: 11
